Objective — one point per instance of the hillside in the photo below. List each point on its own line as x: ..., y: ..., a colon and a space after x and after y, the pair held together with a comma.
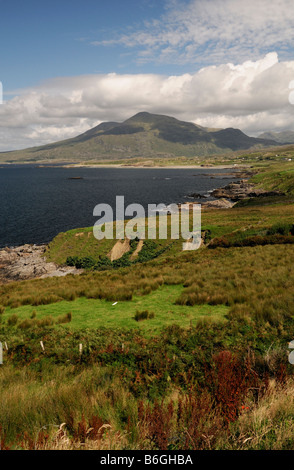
x: 143, y: 135
x: 284, y: 137
x: 173, y: 350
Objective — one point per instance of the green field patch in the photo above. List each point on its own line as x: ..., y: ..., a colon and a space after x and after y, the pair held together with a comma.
x: 96, y: 313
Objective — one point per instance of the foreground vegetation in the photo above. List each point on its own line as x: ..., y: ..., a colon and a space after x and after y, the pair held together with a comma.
x: 199, y: 388
x: 184, y: 350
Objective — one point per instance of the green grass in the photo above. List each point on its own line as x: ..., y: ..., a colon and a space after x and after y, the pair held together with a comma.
x: 82, y: 243
x: 254, y: 214
x: 277, y: 177
x: 96, y: 313
x: 207, y: 304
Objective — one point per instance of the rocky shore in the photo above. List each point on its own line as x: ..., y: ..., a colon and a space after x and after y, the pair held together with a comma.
x: 29, y: 262
x: 229, y: 195
x: 241, y: 190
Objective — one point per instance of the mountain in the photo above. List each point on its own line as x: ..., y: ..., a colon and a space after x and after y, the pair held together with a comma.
x: 142, y: 135
x: 284, y: 137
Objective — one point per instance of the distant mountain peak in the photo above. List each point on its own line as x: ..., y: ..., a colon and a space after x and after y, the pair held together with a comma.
x: 144, y: 135
x: 283, y: 137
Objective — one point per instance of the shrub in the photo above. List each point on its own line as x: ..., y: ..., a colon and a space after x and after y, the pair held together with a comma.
x: 281, y: 228
x: 12, y: 321
x: 257, y: 240
x: 143, y: 315
x: 72, y: 260
x: 25, y: 324
x: 230, y: 380
x: 34, y: 314
x: 64, y: 318
x: 103, y: 262
x: 85, y: 263
x: 46, y: 321
x: 122, y: 262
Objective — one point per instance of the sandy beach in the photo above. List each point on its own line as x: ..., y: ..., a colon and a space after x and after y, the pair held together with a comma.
x: 171, y: 167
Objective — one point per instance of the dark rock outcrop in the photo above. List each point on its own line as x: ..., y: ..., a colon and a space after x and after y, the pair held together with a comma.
x: 241, y: 190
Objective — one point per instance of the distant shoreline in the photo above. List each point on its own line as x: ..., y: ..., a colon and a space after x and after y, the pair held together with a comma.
x: 151, y: 167
x: 125, y: 166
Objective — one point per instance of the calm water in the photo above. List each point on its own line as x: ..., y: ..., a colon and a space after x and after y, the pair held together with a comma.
x: 38, y: 203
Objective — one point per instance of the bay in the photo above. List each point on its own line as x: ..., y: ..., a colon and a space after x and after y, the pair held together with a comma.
x: 37, y: 203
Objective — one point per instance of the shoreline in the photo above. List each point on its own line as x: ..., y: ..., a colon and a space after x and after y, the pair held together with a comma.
x: 126, y: 166
x: 28, y: 261
x: 244, y: 173
x: 151, y: 167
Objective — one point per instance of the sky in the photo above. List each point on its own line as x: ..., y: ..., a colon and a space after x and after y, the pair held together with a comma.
x: 67, y: 66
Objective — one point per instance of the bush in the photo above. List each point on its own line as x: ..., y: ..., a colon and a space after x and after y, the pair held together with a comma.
x: 12, y: 321
x: 85, y: 263
x: 81, y: 263
x: 103, y: 263
x: 64, y: 318
x: 25, y: 324
x: 46, y: 321
x: 144, y: 315
x: 257, y: 240
x: 34, y: 314
x: 281, y: 228
x: 72, y: 260
x: 122, y: 262
x: 149, y: 251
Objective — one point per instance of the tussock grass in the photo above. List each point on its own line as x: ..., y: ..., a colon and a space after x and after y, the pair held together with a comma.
x: 257, y: 280
x: 209, y: 371
x: 95, y: 312
x: 268, y: 426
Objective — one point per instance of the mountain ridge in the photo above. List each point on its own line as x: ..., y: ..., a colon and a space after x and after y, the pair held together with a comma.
x: 283, y: 137
x: 142, y: 135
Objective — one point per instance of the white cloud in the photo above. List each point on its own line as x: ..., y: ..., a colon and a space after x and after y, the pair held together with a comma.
x: 212, y: 31
x: 252, y: 96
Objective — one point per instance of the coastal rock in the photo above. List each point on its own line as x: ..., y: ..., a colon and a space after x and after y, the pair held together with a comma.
x: 28, y: 262
x: 197, y: 196
x: 218, y: 204
x: 214, y: 204
x: 241, y: 190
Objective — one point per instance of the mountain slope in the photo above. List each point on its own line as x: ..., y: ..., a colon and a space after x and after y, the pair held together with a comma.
x: 143, y: 135
x: 284, y: 137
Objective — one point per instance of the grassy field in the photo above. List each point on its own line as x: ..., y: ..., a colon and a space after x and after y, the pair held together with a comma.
x: 184, y: 350
x: 96, y: 313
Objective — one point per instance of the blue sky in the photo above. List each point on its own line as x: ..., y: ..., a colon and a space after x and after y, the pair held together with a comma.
x: 41, y: 40
x: 67, y: 65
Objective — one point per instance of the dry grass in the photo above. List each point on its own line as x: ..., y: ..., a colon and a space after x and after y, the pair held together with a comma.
x: 269, y: 425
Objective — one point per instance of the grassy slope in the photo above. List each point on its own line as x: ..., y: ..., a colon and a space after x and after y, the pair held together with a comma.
x: 81, y: 242
x: 280, y: 177
x: 113, y: 147
x: 251, y: 289
x: 95, y: 313
x: 90, y: 296
x: 144, y: 135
